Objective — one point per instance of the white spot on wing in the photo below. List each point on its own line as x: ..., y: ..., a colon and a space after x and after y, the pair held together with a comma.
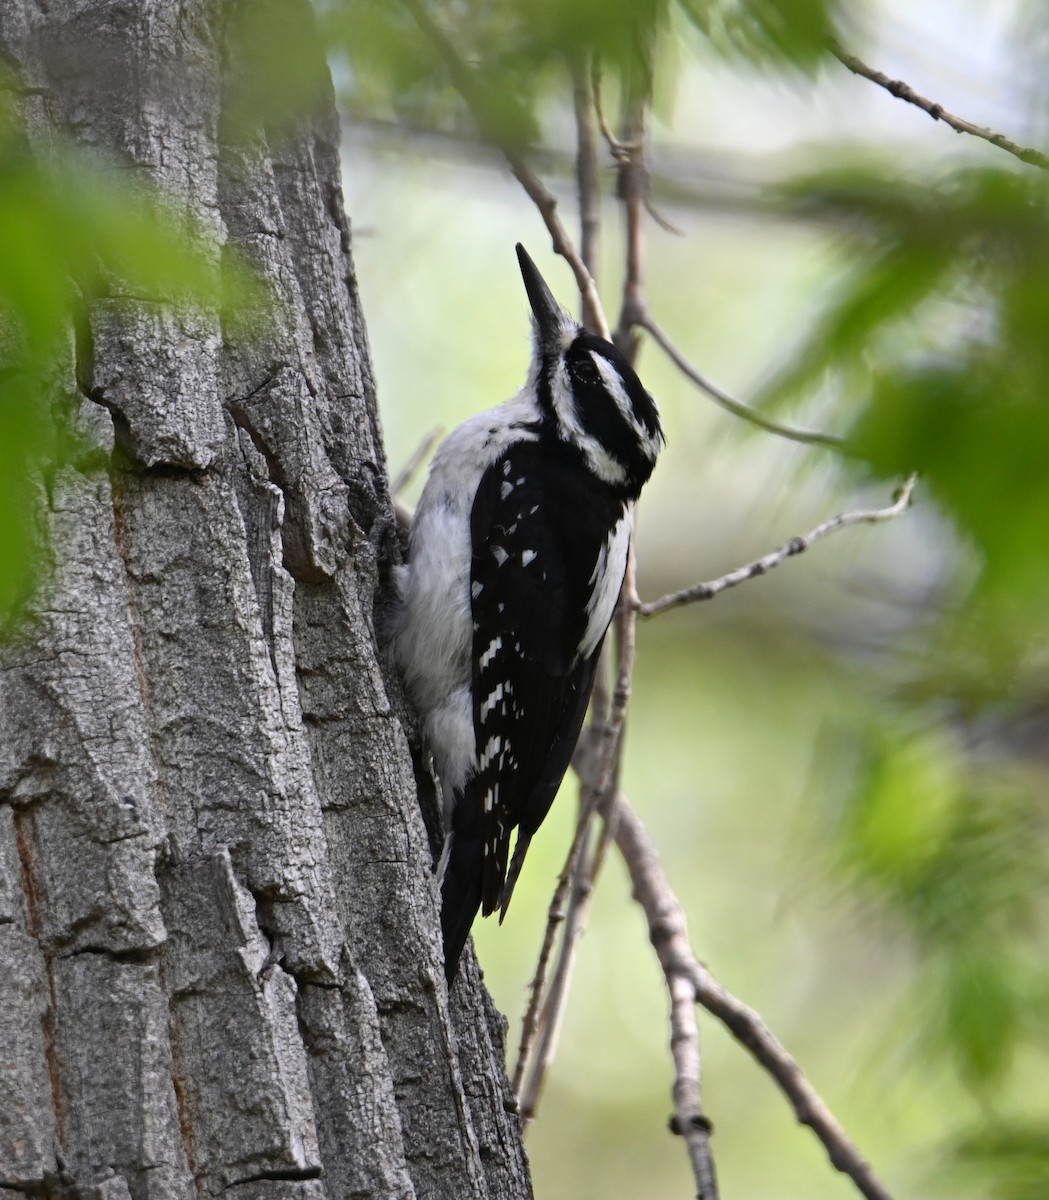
x: 527, y: 556
x: 499, y: 554
x: 494, y: 699
x: 494, y: 646
x: 491, y: 799
x: 492, y: 751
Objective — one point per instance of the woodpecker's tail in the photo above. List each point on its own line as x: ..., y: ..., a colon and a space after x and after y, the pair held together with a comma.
x: 516, y: 863
x: 461, y: 887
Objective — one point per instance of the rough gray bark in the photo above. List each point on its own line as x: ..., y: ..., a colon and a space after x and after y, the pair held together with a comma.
x: 219, y: 962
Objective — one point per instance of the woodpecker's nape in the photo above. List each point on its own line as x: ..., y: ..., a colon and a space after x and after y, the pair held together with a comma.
x: 518, y: 549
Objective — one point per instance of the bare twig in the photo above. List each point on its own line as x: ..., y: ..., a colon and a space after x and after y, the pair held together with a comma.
x: 616, y: 147
x: 599, y: 780
x: 635, y: 312
x: 809, y: 437
x: 689, y: 1121
x: 421, y: 453
x: 536, y: 1043
x: 796, y: 545
x: 546, y: 202
x: 537, y: 988
x: 470, y: 87
x: 661, y: 219
x: 555, y: 998
x: 684, y: 973
x: 903, y: 91
x: 587, y: 190
x: 631, y: 159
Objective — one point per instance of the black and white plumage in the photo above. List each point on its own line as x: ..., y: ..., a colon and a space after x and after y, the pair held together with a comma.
x: 517, y: 553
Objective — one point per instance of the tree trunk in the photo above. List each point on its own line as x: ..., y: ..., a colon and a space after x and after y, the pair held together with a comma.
x: 219, y: 962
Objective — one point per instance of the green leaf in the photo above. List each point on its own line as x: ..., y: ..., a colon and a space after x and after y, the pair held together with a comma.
x: 904, y: 806
x: 781, y: 33
x: 70, y: 232
x: 981, y: 1013
x: 1012, y: 1157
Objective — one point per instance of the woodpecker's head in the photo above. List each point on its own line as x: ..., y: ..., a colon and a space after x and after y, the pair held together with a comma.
x: 589, y: 393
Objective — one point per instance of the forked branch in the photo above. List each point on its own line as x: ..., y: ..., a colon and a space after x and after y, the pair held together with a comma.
x: 684, y: 974
x: 796, y: 545
x: 904, y: 91
x: 809, y: 437
x: 470, y: 87
x: 597, y: 763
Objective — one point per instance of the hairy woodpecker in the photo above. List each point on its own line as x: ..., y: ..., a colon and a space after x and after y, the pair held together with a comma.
x: 517, y: 552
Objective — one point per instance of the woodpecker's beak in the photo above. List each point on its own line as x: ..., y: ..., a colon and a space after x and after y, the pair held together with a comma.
x: 550, y: 319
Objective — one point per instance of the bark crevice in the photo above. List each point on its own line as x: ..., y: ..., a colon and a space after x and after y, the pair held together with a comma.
x: 220, y: 967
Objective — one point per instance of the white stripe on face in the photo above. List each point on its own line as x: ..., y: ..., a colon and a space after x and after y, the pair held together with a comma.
x: 615, y: 387
x: 603, y: 464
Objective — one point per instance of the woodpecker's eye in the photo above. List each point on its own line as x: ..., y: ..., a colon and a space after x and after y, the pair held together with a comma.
x: 585, y: 370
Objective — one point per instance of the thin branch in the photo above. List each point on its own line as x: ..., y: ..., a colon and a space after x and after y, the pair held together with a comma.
x: 684, y: 973
x: 689, y: 1121
x: 599, y: 779
x: 555, y: 998
x: 421, y: 453
x: 555, y: 917
x: 630, y: 155
x: 661, y: 219
x: 535, y: 1052
x: 469, y: 85
x: 808, y: 437
x: 631, y: 159
x: 546, y: 202
x: 617, y: 148
x: 796, y: 545
x: 903, y: 91
x: 587, y: 190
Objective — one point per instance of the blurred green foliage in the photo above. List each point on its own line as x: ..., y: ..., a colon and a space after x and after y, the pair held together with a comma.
x: 1012, y: 1160
x: 70, y: 231
x: 774, y: 33
x: 960, y: 850
x: 516, y: 51
x: 940, y: 325
x: 276, y: 72
x: 939, y: 332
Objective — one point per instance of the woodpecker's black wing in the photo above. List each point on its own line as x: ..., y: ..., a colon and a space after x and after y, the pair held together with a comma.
x: 541, y: 527
x: 549, y: 546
